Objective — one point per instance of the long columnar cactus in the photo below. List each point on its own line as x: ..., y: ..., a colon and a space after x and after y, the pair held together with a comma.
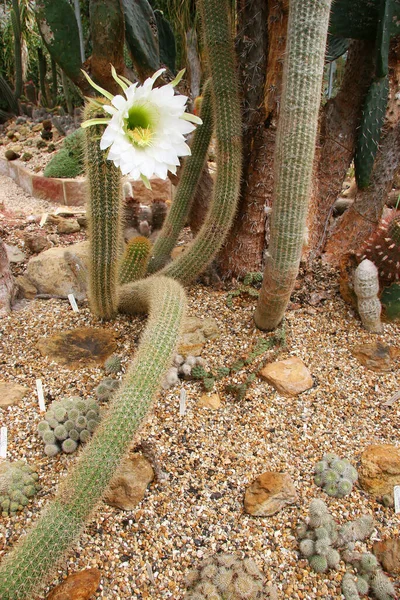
x: 228, y: 131
x: 16, y: 25
x: 189, y: 180
x: 28, y: 566
x: 294, y: 154
x: 104, y: 219
x: 135, y: 259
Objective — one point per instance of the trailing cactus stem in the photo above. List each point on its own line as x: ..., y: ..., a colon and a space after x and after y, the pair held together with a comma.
x: 135, y: 259
x: 105, y: 221
x: 294, y: 155
x: 30, y: 564
x: 228, y: 133
x: 191, y: 172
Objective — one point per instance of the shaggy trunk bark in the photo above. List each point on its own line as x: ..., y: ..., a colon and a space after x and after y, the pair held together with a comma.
x: 338, y: 134
x: 7, y: 288
x: 361, y: 219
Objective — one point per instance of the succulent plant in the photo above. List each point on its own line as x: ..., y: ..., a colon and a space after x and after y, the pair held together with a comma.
x: 113, y: 364
x: 349, y: 587
x: 68, y: 423
x: 357, y: 530
x: 366, y: 287
x: 382, y: 587
x: 190, y: 367
x: 335, y: 476
x: 383, y: 249
x: 226, y: 576
x: 106, y: 388
x: 18, y: 484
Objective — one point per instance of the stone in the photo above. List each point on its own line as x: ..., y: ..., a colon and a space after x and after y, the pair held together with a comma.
x: 377, y: 356
x: 11, y: 393
x: 212, y: 401
x: 26, y: 289
x: 7, y: 283
x: 36, y: 242
x: 269, y: 493
x: 128, y: 487
x: 379, y: 469
x: 388, y: 553
x: 78, y: 348
x: 15, y: 255
x: 11, y: 155
x: 78, y: 586
x: 67, y: 225
x: 51, y: 274
x: 195, y: 334
x: 289, y: 377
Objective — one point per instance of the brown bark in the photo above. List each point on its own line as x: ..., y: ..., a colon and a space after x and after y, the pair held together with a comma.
x: 338, y: 134
x: 201, y: 201
x: 7, y: 287
x: 360, y: 221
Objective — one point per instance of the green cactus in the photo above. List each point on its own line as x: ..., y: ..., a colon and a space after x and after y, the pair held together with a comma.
x: 336, y: 47
x: 318, y: 563
x: 383, y: 38
x: 372, y: 120
x: 106, y: 388
x: 294, y: 155
x: 349, y: 587
x: 166, y: 41
x: 42, y: 66
x: 18, y: 484
x: 141, y: 40
x: 16, y: 25
x: 360, y: 20
x: 382, y: 587
x: 221, y: 60
x: 390, y: 301
x: 7, y: 95
x: 135, y: 259
x: 193, y: 166
x: 335, y: 476
x: 69, y: 160
x: 113, y: 364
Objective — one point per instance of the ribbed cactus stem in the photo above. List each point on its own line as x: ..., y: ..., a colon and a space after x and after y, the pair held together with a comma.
x: 16, y: 25
x: 30, y: 564
x: 189, y: 180
x: 135, y: 259
x: 294, y: 154
x: 366, y: 287
x: 228, y: 132
x: 104, y: 208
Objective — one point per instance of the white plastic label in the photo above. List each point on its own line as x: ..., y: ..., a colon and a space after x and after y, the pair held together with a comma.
x: 73, y: 303
x: 396, y: 493
x: 43, y: 219
x: 40, y: 394
x: 182, y: 402
x: 3, y: 442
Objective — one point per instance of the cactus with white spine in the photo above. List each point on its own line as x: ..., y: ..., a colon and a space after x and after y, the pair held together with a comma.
x: 366, y: 287
x: 335, y: 476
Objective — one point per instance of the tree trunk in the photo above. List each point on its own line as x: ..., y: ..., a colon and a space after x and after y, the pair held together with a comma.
x: 361, y: 219
x: 7, y: 289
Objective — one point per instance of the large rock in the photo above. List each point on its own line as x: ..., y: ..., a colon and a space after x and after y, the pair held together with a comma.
x: 195, y: 334
x: 269, y: 493
x: 379, y: 470
x: 51, y: 274
x: 212, y: 401
x: 11, y: 393
x: 377, y: 356
x: 78, y: 586
x: 388, y: 553
x: 289, y: 377
x: 128, y: 487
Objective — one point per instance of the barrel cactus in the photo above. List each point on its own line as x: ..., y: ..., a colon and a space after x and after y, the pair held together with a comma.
x: 18, y: 484
x: 335, y: 476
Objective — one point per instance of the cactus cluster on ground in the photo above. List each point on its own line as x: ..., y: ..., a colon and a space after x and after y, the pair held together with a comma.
x: 68, y: 423
x: 226, y: 576
x: 335, y: 475
x: 251, y: 285
x: 69, y: 160
x: 181, y: 369
x: 370, y: 579
x: 113, y: 364
x: 106, y: 388
x: 18, y: 485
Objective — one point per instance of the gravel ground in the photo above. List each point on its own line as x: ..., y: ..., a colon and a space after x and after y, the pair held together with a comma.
x: 211, y: 456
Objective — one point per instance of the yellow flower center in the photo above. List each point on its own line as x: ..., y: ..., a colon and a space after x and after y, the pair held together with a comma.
x: 139, y: 125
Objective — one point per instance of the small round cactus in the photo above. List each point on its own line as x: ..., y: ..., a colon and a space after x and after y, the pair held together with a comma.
x: 190, y: 367
x: 113, y: 364
x: 226, y: 576
x: 106, y: 388
x: 68, y: 423
x: 335, y: 476
x: 18, y: 484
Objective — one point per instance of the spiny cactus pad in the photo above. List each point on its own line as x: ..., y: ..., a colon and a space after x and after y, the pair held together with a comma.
x: 335, y: 476
x: 383, y: 249
x: 18, y: 484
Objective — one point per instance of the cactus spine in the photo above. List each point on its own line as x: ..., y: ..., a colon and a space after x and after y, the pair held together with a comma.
x: 294, y: 154
x: 31, y: 562
x: 192, y: 169
x: 224, y: 86
x: 104, y: 219
x: 135, y: 259
x: 366, y: 287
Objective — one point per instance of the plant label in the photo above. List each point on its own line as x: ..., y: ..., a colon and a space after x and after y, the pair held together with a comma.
x: 182, y: 402
x: 39, y: 388
x: 43, y: 219
x: 73, y: 303
x: 396, y: 493
x: 3, y: 442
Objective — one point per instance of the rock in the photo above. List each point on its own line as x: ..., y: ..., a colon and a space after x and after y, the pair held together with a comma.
x: 341, y: 205
x: 388, y: 553
x: 51, y: 274
x: 269, y: 493
x: 128, y: 487
x: 78, y: 586
x: 289, y: 377
x: 15, y: 255
x: 26, y: 289
x: 78, y: 348
x: 83, y: 221
x: 36, y: 242
x: 195, y: 334
x: 7, y: 283
x: 11, y: 155
x: 379, y: 469
x: 67, y: 225
x: 212, y: 401
x: 11, y: 393
x: 377, y: 356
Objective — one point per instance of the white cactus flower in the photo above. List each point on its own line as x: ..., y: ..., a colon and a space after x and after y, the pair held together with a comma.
x: 146, y: 129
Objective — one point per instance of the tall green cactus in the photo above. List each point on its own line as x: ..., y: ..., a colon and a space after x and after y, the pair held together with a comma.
x: 294, y: 155
x: 135, y: 259
x: 189, y: 180
x: 29, y: 565
x: 16, y: 25
x: 105, y: 221
x: 228, y: 132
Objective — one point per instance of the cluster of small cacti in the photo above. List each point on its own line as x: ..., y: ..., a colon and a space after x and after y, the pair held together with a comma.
x: 113, y: 364
x: 370, y: 578
x: 68, y: 162
x: 106, y: 388
x: 182, y: 368
x: 68, y: 423
x: 383, y: 249
x: 250, y: 281
x: 18, y: 484
x: 226, y: 576
x: 335, y: 476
